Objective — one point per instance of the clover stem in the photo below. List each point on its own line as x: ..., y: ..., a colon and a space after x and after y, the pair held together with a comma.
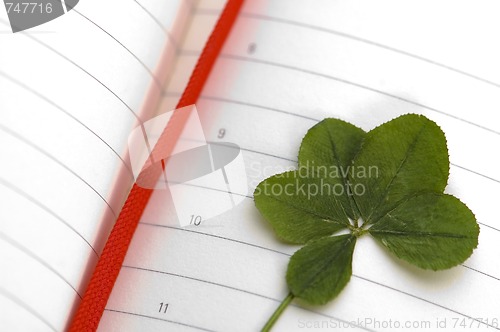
x: 278, y: 312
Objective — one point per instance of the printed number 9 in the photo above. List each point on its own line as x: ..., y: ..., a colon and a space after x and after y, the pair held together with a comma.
x: 222, y: 133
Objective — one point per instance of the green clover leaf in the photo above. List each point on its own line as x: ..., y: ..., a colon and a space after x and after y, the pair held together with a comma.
x: 388, y: 182
x: 285, y: 199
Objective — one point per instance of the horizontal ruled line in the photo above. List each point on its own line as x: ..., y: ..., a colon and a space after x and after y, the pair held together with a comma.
x: 150, y: 73
x: 478, y: 320
x: 32, y: 255
x: 465, y: 169
x: 56, y: 106
x: 160, y: 319
x: 57, y: 161
x: 164, y: 29
x: 358, y: 85
x: 208, y: 188
x: 26, y: 307
x: 245, y: 291
x: 295, y: 161
x: 373, y: 43
x: 225, y: 100
x: 132, y: 112
x: 344, y: 81
x: 483, y: 273
x: 358, y: 39
x: 46, y: 209
x: 354, y: 275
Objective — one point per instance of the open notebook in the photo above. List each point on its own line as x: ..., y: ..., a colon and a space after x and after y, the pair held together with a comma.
x: 72, y: 90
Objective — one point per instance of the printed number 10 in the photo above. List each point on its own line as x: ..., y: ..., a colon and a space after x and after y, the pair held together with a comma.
x: 195, y: 220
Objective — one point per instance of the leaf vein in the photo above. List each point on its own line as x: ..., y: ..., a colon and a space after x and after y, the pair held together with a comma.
x: 401, y: 165
x: 300, y: 208
x: 421, y: 234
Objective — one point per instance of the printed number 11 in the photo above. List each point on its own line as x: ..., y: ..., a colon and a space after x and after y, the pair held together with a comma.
x: 163, y: 307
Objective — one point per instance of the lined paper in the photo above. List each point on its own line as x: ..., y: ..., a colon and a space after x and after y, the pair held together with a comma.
x: 71, y: 90
x: 286, y: 67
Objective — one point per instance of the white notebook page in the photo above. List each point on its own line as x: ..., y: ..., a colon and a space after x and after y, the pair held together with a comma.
x: 362, y: 62
x: 70, y: 92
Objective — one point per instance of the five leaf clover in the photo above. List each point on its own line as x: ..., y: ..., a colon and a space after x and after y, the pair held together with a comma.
x: 387, y: 182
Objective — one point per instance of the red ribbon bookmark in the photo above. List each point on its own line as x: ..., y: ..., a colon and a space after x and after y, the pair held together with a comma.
x: 103, y: 279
